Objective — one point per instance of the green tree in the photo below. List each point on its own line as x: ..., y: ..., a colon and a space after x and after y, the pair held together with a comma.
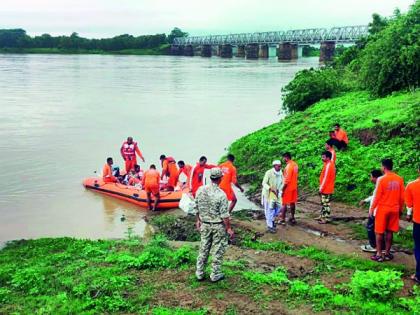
x: 176, y: 32
x: 390, y: 60
x: 378, y: 23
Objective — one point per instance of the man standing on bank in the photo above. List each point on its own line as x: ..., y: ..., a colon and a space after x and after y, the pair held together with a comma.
x: 229, y: 178
x: 290, y: 186
x: 326, y: 186
x: 213, y: 222
x: 412, y: 200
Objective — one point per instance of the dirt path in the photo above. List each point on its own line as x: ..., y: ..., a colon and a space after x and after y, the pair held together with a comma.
x: 336, y: 237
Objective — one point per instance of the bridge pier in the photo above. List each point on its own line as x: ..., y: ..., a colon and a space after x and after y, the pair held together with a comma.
x: 189, y: 50
x: 226, y: 51
x: 287, y: 51
x: 327, y: 51
x: 219, y: 50
x: 177, y: 50
x: 206, y: 51
x: 263, y: 51
x: 252, y: 51
x: 241, y: 51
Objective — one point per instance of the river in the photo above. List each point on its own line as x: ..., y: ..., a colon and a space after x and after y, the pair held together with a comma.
x: 62, y: 115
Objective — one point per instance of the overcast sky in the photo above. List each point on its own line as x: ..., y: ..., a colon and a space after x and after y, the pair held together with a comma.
x: 106, y: 18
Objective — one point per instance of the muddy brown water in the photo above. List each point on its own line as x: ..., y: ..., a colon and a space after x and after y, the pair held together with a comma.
x: 61, y: 116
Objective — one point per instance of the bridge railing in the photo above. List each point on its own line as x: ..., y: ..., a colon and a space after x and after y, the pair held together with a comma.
x: 344, y: 34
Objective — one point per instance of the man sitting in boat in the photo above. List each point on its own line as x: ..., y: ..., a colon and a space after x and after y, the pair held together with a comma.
x: 135, y: 176
x: 107, y: 172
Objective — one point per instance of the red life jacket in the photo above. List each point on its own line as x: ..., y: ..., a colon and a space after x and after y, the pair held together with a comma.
x: 129, y: 150
x: 170, y: 159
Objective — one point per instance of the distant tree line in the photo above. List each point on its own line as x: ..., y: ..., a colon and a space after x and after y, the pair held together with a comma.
x: 17, y: 38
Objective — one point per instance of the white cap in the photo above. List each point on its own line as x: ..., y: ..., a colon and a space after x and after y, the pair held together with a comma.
x: 276, y: 162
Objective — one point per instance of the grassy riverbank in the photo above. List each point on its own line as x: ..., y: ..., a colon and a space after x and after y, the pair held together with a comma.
x: 378, y: 128
x: 64, y: 275
x: 161, y: 50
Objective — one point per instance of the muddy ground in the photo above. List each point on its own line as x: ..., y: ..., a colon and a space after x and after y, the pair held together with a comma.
x: 337, y: 237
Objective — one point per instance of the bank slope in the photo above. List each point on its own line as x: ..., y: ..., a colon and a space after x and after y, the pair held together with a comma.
x: 380, y: 128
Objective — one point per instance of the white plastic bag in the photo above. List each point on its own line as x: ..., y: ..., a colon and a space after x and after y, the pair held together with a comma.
x: 187, y: 204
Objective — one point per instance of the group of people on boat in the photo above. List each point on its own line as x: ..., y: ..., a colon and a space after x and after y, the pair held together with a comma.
x: 175, y: 175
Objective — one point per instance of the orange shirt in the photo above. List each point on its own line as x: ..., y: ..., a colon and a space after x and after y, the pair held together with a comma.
x: 151, y: 178
x: 290, y: 175
x: 197, y: 176
x: 167, y: 166
x: 333, y: 155
x: 341, y: 135
x: 389, y: 193
x: 186, y: 170
x: 107, y: 172
x: 229, y: 175
x: 412, y: 198
x: 327, y: 178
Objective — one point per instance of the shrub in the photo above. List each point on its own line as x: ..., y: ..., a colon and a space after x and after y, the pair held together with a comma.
x: 278, y: 276
x: 310, y: 86
x: 379, y: 285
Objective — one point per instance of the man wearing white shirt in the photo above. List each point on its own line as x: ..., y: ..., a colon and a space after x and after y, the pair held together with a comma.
x: 272, y: 186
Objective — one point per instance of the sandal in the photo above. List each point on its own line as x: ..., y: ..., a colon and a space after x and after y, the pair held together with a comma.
x: 377, y: 258
x: 415, y: 279
x: 324, y: 221
x: 292, y: 221
x: 281, y: 221
x: 389, y: 257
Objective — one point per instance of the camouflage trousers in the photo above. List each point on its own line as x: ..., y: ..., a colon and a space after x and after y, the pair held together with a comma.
x: 213, y: 238
x: 325, y: 206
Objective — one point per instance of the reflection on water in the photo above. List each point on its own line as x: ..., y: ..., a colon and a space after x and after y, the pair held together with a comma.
x: 61, y: 116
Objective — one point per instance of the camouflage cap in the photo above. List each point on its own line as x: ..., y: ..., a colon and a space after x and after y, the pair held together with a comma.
x: 216, y: 173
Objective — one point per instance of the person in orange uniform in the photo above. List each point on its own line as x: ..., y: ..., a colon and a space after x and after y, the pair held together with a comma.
x: 329, y: 146
x: 150, y: 183
x: 197, y: 174
x: 412, y: 201
x: 128, y: 150
x: 290, y: 186
x: 229, y: 178
x: 387, y: 205
x: 184, y: 169
x: 326, y: 186
x: 170, y: 170
x: 339, y: 137
x: 107, y: 175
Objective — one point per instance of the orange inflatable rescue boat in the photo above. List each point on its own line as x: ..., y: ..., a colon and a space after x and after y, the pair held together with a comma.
x: 168, y: 199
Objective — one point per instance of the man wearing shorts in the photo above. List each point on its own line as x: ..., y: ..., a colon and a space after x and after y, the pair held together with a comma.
x: 412, y: 200
x: 151, y: 184
x: 388, y: 202
x: 290, y: 185
x: 229, y: 178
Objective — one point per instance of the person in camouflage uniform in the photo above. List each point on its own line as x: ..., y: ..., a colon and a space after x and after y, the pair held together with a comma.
x: 213, y: 222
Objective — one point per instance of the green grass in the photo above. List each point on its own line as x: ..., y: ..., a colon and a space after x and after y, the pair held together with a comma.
x: 64, y: 275
x: 389, y: 125
x: 80, y: 276
x: 161, y: 50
